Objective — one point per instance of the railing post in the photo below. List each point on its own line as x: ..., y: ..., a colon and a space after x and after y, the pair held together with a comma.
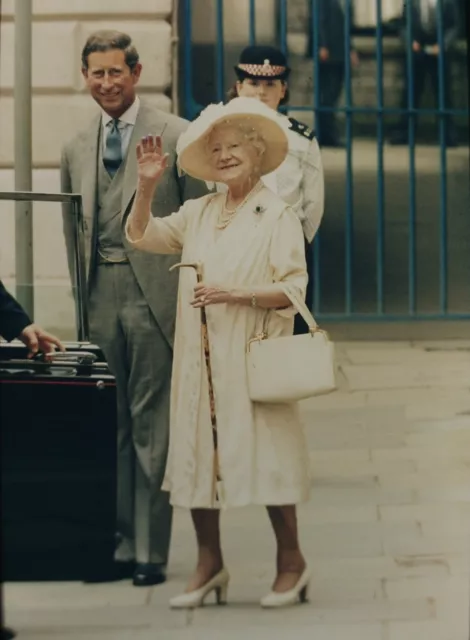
x: 283, y: 25
x: 23, y: 163
x: 380, y: 161
x: 317, y: 106
x: 349, y: 222
x: 220, y: 51
x: 23, y: 155
x: 252, y: 20
x: 412, y: 120
x: 444, y: 131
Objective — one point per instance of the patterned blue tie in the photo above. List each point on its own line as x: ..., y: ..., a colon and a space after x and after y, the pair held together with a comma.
x: 112, y: 156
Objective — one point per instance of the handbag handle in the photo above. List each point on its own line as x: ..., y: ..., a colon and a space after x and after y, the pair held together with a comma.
x: 301, y: 308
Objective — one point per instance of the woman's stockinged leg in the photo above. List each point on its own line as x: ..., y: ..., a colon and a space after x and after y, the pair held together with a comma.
x: 290, y: 562
x: 209, y: 560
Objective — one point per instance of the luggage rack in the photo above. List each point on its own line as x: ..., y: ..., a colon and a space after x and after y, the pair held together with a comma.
x: 69, y: 363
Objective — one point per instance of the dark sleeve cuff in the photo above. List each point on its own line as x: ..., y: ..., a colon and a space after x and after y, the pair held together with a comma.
x: 13, y: 326
x: 13, y: 318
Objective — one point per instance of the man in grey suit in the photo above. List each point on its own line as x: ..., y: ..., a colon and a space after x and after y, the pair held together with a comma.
x: 132, y: 295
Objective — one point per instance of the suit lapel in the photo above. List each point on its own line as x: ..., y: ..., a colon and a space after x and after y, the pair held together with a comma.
x: 90, y: 165
x: 88, y: 186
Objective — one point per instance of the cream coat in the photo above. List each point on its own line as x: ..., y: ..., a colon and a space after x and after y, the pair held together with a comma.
x: 262, y: 448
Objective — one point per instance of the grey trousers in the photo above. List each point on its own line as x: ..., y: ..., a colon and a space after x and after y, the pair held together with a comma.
x: 140, y: 358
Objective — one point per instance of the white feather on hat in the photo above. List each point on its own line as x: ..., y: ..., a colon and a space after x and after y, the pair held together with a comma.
x: 272, y: 128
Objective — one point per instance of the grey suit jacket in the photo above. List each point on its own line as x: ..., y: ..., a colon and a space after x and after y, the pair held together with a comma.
x: 79, y: 175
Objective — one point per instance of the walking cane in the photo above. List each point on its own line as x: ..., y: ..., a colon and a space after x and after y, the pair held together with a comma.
x: 217, y: 486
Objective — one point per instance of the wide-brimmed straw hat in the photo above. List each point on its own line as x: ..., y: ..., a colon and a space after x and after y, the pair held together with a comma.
x: 251, y: 114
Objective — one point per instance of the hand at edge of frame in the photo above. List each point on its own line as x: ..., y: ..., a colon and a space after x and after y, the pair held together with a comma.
x: 36, y: 339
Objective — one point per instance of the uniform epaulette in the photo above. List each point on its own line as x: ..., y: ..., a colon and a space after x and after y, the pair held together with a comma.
x: 301, y: 129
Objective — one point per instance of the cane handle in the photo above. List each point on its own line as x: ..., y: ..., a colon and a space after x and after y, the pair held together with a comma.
x: 197, y: 266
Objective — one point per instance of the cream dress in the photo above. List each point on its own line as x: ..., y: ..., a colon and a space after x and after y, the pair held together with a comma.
x: 262, y: 448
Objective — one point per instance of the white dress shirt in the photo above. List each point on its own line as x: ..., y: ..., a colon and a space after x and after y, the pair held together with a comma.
x: 125, y: 126
x: 299, y: 181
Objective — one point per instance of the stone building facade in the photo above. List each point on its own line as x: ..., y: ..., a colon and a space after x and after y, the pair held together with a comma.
x: 60, y: 107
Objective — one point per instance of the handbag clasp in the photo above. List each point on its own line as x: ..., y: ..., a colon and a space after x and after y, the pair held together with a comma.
x: 316, y: 329
x: 258, y: 338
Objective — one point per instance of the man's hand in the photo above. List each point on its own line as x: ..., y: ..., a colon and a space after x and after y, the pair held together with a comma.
x: 324, y: 54
x: 354, y: 57
x: 36, y: 339
x: 416, y: 46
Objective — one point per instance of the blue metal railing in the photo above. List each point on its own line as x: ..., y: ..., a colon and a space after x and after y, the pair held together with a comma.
x: 443, y: 168
x: 314, y: 10
x: 220, y: 57
x: 252, y: 21
x: 349, y: 222
x: 283, y: 25
x: 380, y: 164
x: 412, y: 167
x: 380, y: 111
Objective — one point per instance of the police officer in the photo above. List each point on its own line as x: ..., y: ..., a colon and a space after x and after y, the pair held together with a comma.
x: 262, y: 73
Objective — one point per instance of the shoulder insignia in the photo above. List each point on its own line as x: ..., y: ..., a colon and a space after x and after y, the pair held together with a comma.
x: 301, y: 129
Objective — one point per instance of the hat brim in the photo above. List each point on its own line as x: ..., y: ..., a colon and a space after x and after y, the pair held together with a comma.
x: 194, y: 159
x: 242, y: 74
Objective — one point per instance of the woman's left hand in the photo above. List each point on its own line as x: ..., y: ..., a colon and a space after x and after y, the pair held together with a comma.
x: 205, y: 294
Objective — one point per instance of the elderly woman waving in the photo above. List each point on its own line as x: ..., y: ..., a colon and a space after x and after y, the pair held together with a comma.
x: 250, y: 246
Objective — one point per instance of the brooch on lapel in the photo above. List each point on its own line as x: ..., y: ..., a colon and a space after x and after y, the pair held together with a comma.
x: 258, y: 211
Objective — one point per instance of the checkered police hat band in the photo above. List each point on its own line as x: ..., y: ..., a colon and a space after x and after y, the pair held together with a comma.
x: 265, y: 69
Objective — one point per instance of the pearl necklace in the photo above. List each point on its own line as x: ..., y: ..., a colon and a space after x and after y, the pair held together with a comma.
x: 225, y: 220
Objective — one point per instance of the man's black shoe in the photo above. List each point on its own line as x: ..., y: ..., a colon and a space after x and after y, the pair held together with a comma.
x: 147, y: 575
x: 6, y: 634
x: 112, y: 573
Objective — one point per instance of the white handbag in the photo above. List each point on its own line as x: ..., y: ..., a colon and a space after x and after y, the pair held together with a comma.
x: 291, y: 368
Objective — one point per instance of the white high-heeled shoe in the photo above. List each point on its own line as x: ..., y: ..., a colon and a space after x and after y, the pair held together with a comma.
x: 287, y: 598
x: 193, y: 599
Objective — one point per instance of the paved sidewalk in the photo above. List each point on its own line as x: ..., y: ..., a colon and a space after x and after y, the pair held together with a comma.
x: 387, y: 531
